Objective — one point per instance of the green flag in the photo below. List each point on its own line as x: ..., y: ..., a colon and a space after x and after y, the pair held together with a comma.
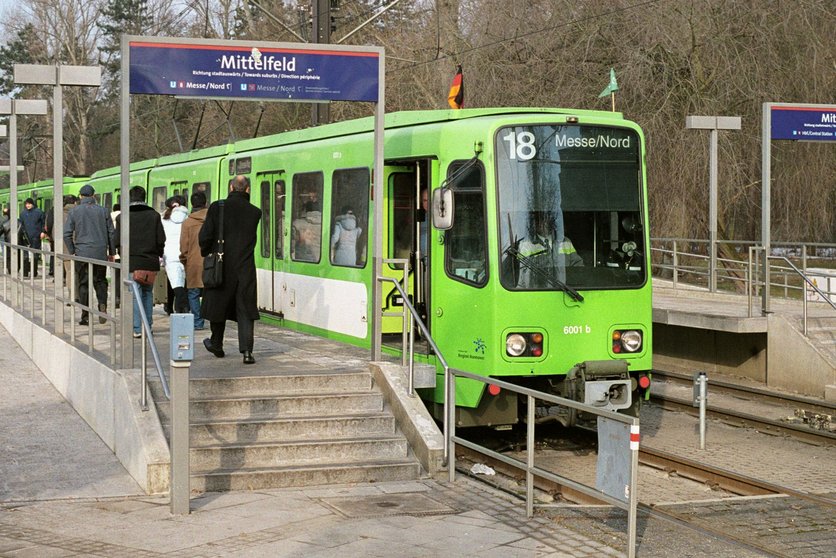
x: 612, y: 87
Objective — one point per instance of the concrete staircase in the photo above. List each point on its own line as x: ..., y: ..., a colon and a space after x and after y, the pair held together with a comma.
x: 294, y: 429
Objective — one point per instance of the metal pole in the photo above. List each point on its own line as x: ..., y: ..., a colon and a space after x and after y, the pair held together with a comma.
x: 127, y: 359
x: 529, y: 452
x: 804, y: 284
x: 450, y: 422
x: 766, y: 198
x: 58, y: 195
x: 321, y: 20
x: 378, y: 187
x: 712, y: 162
x: 13, y: 205
x: 633, y: 500
x: 179, y: 373
x: 703, y: 389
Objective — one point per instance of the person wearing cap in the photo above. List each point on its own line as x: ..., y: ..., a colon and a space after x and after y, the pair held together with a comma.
x: 32, y: 220
x: 89, y: 233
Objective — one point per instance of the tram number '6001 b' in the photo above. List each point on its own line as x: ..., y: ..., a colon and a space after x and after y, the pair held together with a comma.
x: 576, y: 329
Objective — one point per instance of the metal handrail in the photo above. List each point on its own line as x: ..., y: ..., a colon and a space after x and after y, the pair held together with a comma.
x: 416, y: 320
x: 147, y: 339
x: 807, y: 281
x: 630, y: 506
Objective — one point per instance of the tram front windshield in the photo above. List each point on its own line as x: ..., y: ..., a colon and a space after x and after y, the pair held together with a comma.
x: 570, y: 208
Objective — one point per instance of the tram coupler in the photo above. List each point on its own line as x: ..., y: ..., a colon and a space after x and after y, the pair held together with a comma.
x: 601, y: 383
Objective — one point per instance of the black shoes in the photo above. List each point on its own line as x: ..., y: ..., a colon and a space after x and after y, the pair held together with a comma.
x: 83, y: 320
x: 248, y: 357
x: 218, y: 352
x: 102, y: 308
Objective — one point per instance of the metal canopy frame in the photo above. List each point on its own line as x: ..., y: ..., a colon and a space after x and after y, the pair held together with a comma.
x: 127, y: 357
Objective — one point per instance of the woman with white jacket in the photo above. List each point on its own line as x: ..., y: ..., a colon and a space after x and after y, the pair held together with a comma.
x: 175, y: 213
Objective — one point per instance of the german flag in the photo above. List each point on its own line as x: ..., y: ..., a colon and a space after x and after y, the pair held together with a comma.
x: 456, y: 96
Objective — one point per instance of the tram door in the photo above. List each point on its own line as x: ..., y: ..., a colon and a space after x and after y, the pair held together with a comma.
x: 272, y: 234
x: 404, y: 223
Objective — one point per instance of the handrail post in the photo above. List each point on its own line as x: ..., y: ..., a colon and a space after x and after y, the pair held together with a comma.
x: 675, y: 265
x: 449, y: 423
x: 749, y: 283
x: 804, y: 284
x: 529, y: 452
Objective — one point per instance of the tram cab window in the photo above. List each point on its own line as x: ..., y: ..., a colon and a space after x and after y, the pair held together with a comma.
x: 306, y: 210
x: 466, y: 255
x: 350, y: 217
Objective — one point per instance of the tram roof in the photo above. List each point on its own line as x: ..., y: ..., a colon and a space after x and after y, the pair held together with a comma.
x: 412, y: 118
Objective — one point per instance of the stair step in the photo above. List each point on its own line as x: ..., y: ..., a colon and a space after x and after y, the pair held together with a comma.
x: 270, y: 407
x: 286, y: 384
x: 282, y: 477
x: 203, y: 433
x: 297, y: 453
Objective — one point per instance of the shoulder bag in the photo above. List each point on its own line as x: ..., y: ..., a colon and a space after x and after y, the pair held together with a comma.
x: 213, y: 264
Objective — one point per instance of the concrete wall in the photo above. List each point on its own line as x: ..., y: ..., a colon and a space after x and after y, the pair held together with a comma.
x: 107, y: 399
x: 686, y: 349
x: 795, y: 364
x: 411, y: 415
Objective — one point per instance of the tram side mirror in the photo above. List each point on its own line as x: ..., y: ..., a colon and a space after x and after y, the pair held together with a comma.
x: 443, y: 209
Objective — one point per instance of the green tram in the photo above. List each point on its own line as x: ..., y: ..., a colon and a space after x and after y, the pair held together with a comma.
x: 541, y: 278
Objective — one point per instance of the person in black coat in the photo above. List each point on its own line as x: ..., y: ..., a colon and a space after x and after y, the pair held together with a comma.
x: 236, y: 299
x: 147, y: 241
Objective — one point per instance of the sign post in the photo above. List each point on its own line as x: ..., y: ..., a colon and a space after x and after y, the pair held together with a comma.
x: 253, y: 71
x: 794, y: 122
x: 713, y: 123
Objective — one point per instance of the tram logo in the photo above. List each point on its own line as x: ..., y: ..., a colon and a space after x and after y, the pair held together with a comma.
x: 479, y: 345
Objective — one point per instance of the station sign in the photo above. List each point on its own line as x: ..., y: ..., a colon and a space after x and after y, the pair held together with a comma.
x: 254, y: 71
x: 803, y: 123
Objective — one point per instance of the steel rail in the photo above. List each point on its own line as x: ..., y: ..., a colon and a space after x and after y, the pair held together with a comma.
x: 805, y: 433
x: 814, y: 404
x: 552, y: 487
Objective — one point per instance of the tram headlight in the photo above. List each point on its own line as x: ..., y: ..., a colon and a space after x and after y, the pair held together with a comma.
x: 628, y: 341
x: 515, y: 344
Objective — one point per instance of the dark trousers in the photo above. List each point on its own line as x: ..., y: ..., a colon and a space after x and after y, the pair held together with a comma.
x: 245, y: 333
x: 26, y: 263
x: 83, y: 284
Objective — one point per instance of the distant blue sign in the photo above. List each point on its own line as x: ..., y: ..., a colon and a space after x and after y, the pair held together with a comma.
x: 803, y: 123
x: 202, y: 70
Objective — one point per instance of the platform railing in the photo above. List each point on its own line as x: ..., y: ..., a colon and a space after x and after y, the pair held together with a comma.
x: 35, y: 298
x: 147, y: 341
x: 532, y: 396
x: 412, y: 319
x: 686, y: 261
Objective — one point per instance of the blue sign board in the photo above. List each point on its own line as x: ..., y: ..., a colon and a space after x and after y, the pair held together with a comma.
x: 262, y: 72
x: 803, y: 123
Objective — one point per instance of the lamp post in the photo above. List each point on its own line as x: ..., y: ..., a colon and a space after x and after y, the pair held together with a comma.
x: 13, y: 108
x: 58, y: 76
x: 713, y: 123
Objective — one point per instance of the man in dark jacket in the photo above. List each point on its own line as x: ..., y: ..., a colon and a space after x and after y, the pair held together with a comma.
x: 89, y: 233
x: 32, y: 220
x: 236, y: 298
x: 147, y: 242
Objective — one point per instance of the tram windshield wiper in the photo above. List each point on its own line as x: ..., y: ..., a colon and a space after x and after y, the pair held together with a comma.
x: 529, y: 264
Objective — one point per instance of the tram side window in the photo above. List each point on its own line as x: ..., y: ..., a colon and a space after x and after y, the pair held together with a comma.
x: 306, y: 210
x: 159, y: 197
x: 278, y: 202
x: 349, y: 208
x: 466, y: 254
x: 265, y: 218
x: 205, y: 188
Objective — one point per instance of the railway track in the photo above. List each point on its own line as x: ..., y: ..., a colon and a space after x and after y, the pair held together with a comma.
x: 722, y: 479
x: 781, y: 404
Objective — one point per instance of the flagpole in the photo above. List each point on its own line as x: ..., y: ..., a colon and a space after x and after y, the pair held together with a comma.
x: 612, y: 95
